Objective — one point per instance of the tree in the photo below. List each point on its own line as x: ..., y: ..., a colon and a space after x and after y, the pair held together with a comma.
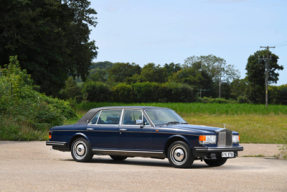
x: 120, y: 72
x: 215, y: 67
x: 50, y: 37
x: 256, y: 75
x: 153, y: 73
x: 172, y: 68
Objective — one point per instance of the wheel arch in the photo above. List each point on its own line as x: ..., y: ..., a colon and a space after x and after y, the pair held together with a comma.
x: 76, y: 136
x: 173, y: 139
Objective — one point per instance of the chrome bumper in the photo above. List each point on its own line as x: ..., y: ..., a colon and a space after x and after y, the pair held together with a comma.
x: 56, y: 143
x: 217, y: 149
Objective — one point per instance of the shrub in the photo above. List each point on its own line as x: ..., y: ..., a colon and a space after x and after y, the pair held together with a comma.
x: 26, y: 111
x: 96, y: 91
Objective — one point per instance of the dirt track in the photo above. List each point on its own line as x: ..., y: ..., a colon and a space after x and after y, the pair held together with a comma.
x: 32, y: 166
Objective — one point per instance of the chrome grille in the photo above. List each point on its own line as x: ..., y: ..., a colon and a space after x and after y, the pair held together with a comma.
x: 224, y: 138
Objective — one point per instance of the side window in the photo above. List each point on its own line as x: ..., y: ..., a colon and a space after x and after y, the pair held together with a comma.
x: 95, y: 119
x: 130, y: 117
x: 110, y: 117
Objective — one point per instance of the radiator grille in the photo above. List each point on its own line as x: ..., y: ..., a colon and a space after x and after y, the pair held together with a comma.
x: 224, y: 138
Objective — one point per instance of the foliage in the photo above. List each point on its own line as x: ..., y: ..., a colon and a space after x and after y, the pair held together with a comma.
x: 172, y: 68
x: 70, y: 91
x: 24, y: 109
x: 278, y: 94
x: 215, y: 67
x: 50, y: 37
x: 96, y: 91
x: 153, y: 73
x: 120, y: 72
x: 256, y: 75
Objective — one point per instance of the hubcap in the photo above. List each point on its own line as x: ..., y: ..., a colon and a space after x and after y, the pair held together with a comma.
x: 79, y: 150
x: 178, y: 154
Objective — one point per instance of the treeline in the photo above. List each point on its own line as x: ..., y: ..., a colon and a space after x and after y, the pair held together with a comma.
x: 199, y: 78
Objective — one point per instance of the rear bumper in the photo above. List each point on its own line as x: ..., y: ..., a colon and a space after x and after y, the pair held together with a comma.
x: 56, y: 143
x: 217, y: 149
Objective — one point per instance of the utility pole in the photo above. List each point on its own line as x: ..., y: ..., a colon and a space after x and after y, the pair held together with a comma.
x: 219, y: 87
x: 266, y: 72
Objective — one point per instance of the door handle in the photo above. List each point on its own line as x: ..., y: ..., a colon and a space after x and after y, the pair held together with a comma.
x: 90, y: 129
x: 123, y: 129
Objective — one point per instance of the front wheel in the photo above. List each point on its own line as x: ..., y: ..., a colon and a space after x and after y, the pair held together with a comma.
x: 118, y: 158
x: 81, y: 150
x: 215, y: 163
x: 179, y: 155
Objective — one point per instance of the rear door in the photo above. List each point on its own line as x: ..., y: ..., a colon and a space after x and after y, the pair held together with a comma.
x: 104, y: 129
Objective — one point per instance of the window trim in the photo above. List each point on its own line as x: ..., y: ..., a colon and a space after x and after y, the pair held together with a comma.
x: 120, y: 109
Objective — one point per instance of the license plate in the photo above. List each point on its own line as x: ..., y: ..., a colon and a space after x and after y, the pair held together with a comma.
x: 227, y: 154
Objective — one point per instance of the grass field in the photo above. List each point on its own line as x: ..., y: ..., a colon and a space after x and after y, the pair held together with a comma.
x: 255, y: 123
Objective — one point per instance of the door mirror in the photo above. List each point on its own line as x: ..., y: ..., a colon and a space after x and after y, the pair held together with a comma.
x: 139, y: 121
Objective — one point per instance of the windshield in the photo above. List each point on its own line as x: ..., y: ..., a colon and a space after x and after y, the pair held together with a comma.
x: 164, y: 116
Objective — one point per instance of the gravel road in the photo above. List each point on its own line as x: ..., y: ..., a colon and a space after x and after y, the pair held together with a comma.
x: 32, y: 166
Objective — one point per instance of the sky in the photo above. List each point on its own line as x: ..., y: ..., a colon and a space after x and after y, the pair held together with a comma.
x: 165, y: 31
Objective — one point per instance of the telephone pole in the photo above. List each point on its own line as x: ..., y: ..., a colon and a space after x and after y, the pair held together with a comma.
x: 266, y: 72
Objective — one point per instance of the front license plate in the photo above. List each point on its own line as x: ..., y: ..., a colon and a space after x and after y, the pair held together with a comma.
x: 227, y: 154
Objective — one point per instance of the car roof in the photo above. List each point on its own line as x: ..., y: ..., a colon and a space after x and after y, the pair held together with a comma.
x: 90, y: 114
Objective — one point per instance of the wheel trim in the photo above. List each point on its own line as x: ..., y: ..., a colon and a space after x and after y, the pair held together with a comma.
x: 178, y: 154
x: 80, y: 150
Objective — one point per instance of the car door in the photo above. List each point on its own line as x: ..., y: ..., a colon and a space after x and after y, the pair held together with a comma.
x: 103, y: 129
x: 134, y: 136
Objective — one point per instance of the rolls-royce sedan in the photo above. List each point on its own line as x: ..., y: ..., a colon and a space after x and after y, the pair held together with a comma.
x: 155, y: 132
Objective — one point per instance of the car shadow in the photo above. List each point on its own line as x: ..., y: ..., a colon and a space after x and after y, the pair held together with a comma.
x: 141, y: 162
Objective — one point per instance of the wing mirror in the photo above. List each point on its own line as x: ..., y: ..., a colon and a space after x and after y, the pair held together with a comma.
x: 140, y: 122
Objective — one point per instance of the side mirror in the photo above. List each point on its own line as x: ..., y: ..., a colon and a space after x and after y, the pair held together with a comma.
x: 139, y: 122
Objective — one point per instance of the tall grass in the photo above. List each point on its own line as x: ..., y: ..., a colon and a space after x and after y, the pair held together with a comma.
x: 200, y: 108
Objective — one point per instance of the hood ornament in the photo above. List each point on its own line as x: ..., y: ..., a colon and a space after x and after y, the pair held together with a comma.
x: 224, y: 125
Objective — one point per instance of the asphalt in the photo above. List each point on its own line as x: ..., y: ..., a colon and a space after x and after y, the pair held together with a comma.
x: 32, y: 166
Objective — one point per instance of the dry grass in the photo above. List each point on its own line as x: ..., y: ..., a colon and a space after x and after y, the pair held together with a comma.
x: 252, y: 128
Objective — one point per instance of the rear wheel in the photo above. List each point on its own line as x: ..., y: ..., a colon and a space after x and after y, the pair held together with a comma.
x: 179, y: 155
x: 118, y: 158
x: 215, y: 163
x: 81, y: 150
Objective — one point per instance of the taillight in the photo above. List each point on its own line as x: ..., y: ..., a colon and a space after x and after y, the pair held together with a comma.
x: 50, y: 134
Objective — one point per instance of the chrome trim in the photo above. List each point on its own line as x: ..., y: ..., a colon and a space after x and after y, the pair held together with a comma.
x: 90, y: 129
x: 217, y: 149
x: 130, y: 153
x: 56, y: 143
x: 114, y: 150
x: 123, y: 129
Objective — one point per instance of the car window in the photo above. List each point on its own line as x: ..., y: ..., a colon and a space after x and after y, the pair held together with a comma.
x: 130, y: 117
x: 163, y: 116
x: 110, y: 117
x: 95, y: 119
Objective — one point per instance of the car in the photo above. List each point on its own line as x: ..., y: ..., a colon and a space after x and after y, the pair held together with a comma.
x: 139, y: 131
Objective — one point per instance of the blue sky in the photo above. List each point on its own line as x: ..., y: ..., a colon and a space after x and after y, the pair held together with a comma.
x: 165, y: 31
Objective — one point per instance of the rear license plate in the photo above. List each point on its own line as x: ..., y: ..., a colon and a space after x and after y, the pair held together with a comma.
x: 227, y: 154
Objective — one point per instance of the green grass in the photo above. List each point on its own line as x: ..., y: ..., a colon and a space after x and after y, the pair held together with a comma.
x: 255, y: 123
x: 200, y: 108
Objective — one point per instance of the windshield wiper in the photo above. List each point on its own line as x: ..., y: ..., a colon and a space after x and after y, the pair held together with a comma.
x: 172, y: 122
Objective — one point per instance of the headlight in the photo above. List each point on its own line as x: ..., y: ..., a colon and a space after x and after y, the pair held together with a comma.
x: 235, y: 138
x: 207, y: 139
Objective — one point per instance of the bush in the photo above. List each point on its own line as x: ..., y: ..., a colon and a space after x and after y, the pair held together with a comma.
x: 25, y: 111
x: 242, y: 99
x: 123, y: 93
x: 96, y: 91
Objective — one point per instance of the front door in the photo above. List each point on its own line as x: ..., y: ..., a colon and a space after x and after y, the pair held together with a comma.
x: 133, y: 136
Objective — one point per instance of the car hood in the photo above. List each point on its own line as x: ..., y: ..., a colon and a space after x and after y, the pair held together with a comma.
x: 192, y: 128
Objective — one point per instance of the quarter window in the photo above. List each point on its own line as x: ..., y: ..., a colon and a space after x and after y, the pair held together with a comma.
x: 110, y: 117
x: 95, y: 119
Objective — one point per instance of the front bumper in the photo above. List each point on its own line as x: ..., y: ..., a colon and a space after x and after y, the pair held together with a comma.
x: 217, y: 149
x: 215, y: 152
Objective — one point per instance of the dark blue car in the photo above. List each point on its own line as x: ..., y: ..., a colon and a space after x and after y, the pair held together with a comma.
x: 155, y: 132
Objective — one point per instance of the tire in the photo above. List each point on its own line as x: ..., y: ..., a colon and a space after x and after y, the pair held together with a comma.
x: 118, y: 158
x: 179, y: 155
x: 81, y: 150
x: 215, y: 163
